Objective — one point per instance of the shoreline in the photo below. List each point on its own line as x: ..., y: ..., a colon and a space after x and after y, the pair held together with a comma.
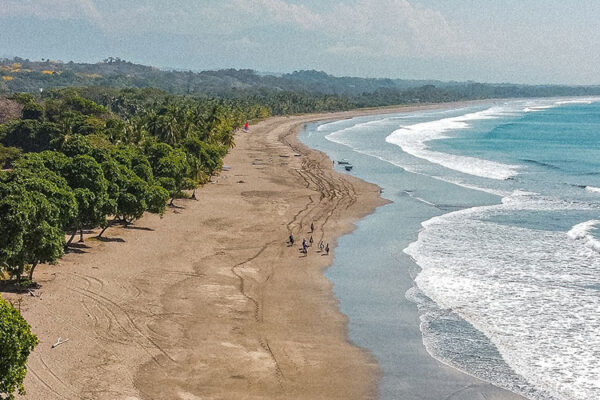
x: 209, y: 302
x: 388, y: 323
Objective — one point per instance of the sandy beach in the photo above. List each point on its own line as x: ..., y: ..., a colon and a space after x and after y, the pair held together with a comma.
x: 210, y: 302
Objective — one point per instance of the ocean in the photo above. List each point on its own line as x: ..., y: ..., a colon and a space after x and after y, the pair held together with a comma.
x: 496, y: 212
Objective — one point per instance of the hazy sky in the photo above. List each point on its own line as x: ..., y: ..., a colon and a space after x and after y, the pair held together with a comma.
x: 522, y: 41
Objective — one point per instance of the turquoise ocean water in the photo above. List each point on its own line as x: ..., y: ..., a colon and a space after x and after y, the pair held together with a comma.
x: 496, y: 207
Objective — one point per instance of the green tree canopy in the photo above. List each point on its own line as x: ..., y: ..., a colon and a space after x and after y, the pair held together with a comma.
x: 212, y: 157
x: 30, y: 233
x: 85, y: 176
x: 30, y: 135
x: 172, y: 171
x: 33, y: 110
x: 53, y: 187
x: 76, y: 145
x: 8, y: 155
x: 193, y: 150
x: 16, y: 343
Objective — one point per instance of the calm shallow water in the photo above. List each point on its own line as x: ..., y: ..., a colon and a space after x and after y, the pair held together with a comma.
x: 498, y: 205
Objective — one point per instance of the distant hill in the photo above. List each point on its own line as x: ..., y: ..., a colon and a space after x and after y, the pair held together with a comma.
x: 24, y: 75
x: 20, y: 75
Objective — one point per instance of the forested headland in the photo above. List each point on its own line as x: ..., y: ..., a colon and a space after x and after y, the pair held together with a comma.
x: 297, y: 92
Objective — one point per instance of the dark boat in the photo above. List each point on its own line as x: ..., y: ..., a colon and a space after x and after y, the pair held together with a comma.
x: 343, y: 161
x: 348, y: 167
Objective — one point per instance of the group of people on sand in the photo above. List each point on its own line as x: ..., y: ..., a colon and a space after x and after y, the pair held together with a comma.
x: 306, y: 244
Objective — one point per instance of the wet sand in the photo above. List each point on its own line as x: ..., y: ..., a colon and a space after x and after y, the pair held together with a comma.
x: 210, y: 302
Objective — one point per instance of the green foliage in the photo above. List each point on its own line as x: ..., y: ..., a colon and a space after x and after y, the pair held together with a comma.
x: 125, y: 88
x: 33, y: 110
x: 30, y: 135
x: 50, y: 160
x: 70, y: 100
x: 108, y: 165
x: 212, y: 157
x: 141, y: 167
x: 170, y: 167
x: 23, y: 98
x: 156, y: 200
x: 29, y: 232
x: 14, y: 218
x: 85, y: 176
x: 16, y: 343
x: 76, y: 145
x: 8, y: 155
x: 193, y: 151
x: 116, y: 130
x: 53, y: 187
x: 131, y: 191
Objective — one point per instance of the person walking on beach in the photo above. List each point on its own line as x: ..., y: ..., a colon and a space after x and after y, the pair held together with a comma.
x: 312, y: 227
x: 246, y: 126
x: 321, y: 245
x: 327, y: 249
x: 310, y: 240
x: 291, y: 240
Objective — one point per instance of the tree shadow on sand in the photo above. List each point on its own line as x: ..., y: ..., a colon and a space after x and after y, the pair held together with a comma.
x: 139, y: 228
x: 110, y: 240
x: 72, y: 250
x: 11, y: 286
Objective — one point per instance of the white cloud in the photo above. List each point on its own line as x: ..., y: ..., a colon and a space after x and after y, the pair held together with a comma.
x: 385, y: 27
x: 370, y: 28
x: 397, y: 28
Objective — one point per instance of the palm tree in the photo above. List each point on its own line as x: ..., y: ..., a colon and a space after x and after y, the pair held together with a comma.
x: 164, y: 127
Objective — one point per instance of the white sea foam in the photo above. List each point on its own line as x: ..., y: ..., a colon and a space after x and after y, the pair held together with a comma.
x: 533, y: 293
x: 538, y: 108
x: 552, y: 103
x: 592, y: 189
x: 339, y: 137
x: 330, y: 125
x: 578, y: 101
x: 354, y: 123
x: 583, y: 231
x: 420, y: 199
x: 495, y: 192
x: 411, y: 167
x: 412, y: 140
x: 339, y: 134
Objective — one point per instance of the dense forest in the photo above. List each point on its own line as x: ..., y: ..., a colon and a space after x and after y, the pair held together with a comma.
x: 300, y: 91
x: 73, y: 164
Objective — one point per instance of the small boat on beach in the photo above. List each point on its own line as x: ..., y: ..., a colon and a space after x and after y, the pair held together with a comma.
x: 343, y: 161
x: 348, y: 167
